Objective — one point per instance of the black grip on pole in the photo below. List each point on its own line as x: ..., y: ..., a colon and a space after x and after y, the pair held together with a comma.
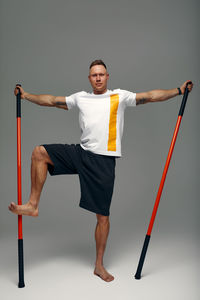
x: 182, y: 108
x: 18, y: 98
x: 142, y: 257
x: 21, y: 263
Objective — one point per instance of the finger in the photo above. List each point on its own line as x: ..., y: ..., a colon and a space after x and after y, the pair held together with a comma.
x: 189, y: 82
x: 16, y: 91
x: 18, y: 88
x: 190, y: 85
x: 190, y: 88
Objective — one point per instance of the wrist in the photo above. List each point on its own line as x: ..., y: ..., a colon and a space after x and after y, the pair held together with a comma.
x: 25, y: 96
x: 179, y: 91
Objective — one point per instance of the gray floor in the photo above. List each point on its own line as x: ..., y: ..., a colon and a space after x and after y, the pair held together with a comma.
x: 61, y: 267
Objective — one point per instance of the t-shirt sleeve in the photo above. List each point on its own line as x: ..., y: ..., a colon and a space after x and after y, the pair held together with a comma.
x: 129, y: 98
x: 71, y: 101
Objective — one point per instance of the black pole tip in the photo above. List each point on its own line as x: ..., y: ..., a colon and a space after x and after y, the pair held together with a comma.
x: 21, y: 284
x: 137, y: 276
x: 18, y: 84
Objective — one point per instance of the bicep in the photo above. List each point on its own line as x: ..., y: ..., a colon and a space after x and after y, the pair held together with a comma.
x: 60, y: 102
x: 142, y: 98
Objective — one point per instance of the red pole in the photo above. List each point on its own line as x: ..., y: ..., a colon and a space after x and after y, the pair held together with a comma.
x: 164, y: 176
x: 19, y: 192
x: 19, y: 176
x: 148, y: 235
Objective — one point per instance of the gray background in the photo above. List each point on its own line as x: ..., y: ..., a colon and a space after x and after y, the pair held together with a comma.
x: 47, y: 46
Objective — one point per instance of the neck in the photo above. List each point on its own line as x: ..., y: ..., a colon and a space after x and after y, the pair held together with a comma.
x: 100, y: 92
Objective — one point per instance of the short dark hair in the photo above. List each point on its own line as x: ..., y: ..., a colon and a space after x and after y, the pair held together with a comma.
x: 98, y: 62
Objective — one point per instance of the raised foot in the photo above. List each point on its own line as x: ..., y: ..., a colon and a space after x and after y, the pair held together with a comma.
x: 25, y: 209
x: 103, y: 274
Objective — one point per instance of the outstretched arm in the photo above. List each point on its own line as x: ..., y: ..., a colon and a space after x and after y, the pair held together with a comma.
x: 43, y: 99
x: 161, y: 95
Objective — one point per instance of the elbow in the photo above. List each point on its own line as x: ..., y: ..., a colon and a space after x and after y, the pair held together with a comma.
x: 50, y: 101
x: 150, y: 96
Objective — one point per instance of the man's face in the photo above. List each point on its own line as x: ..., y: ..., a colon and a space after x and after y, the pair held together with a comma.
x: 98, y: 78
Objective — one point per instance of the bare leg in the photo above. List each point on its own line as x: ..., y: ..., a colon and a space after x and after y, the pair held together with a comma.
x: 39, y: 167
x: 101, y: 235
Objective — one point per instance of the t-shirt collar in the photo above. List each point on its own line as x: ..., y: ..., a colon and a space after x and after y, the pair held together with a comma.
x: 107, y: 92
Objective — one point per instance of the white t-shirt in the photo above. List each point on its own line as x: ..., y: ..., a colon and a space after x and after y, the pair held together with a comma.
x: 101, y: 119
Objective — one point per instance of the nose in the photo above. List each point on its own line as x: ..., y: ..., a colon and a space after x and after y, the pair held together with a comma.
x: 98, y: 78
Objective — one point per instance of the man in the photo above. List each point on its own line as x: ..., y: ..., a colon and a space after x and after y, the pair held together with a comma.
x: 101, y: 117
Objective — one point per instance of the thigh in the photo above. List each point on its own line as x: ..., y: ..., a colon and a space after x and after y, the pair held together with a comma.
x: 64, y: 157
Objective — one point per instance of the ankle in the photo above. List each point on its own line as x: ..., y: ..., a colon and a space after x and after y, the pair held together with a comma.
x: 33, y: 203
x: 98, y: 264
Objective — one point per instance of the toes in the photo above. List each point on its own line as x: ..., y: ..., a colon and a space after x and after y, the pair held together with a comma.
x: 12, y: 205
x: 104, y: 275
x: 109, y: 279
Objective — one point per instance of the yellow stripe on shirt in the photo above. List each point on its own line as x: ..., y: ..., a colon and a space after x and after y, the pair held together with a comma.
x: 112, y: 135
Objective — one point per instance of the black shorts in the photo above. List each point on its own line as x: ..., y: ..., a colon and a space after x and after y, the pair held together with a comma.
x: 96, y: 174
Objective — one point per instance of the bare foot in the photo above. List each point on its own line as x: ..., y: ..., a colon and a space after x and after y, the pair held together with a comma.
x: 103, y: 274
x: 25, y: 209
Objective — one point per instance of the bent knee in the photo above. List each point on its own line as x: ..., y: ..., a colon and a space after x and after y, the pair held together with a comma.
x: 40, y: 153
